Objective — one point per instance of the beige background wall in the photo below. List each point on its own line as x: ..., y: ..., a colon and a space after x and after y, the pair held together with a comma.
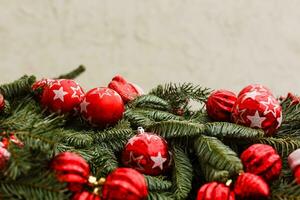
x: 216, y: 43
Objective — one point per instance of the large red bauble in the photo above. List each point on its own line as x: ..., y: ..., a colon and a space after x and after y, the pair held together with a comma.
x: 71, y: 168
x: 85, y: 195
x: 125, y: 183
x: 215, y: 191
x: 258, y: 110
x: 102, y: 106
x: 147, y: 153
x: 126, y: 90
x: 39, y: 86
x: 255, y: 87
x: 262, y: 160
x: 2, y: 102
x: 62, y: 96
x: 219, y: 105
x: 294, y: 163
x: 250, y: 186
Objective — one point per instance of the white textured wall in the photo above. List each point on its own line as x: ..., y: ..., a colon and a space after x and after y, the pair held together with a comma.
x: 216, y: 43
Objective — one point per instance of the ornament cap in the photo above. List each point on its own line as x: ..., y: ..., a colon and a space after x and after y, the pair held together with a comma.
x: 140, y: 130
x: 228, y: 182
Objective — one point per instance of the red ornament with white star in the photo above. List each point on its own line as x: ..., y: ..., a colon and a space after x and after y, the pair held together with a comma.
x: 294, y: 163
x: 258, y: 110
x: 62, y: 96
x: 147, y: 153
x: 255, y: 87
x: 4, y: 156
x: 102, y: 106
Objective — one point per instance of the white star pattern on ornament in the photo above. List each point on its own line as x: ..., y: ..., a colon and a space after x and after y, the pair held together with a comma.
x: 253, y: 94
x: 158, y: 161
x: 240, y: 115
x: 270, y: 104
x: 279, y: 120
x: 54, y: 83
x: 59, y: 94
x: 132, y: 140
x: 149, y: 137
x: 101, y: 93
x: 76, y: 92
x: 138, y: 159
x: 83, y: 106
x: 256, y: 120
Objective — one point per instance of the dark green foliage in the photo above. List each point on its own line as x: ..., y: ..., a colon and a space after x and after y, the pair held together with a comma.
x: 158, y: 183
x: 212, y: 174
x: 150, y: 101
x: 73, y: 74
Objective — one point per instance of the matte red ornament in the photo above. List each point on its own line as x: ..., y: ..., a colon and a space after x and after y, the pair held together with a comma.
x: 125, y: 183
x: 147, y: 153
x: 71, y: 168
x: 62, y: 96
x: 85, y: 195
x: 250, y: 186
x: 2, y: 102
x: 219, y: 105
x: 126, y: 90
x: 4, y: 156
x: 215, y: 191
x: 255, y: 87
x: 102, y: 106
x: 258, y: 110
x: 294, y: 163
x: 262, y: 160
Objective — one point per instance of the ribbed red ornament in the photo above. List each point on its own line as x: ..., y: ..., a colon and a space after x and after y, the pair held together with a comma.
x: 125, y: 183
x: 126, y: 90
x: 84, y: 195
x: 255, y: 87
x: 4, y: 156
x: 219, y: 105
x: 215, y: 191
x: 262, y: 160
x: 71, y: 168
x: 2, y: 102
x: 147, y: 153
x: 294, y: 163
x: 252, y: 187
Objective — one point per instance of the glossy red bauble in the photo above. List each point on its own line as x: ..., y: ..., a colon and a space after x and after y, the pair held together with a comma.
x: 126, y: 90
x: 39, y: 86
x: 262, y: 160
x: 2, y: 102
x: 4, y: 156
x: 125, y: 183
x: 219, y: 105
x: 258, y: 110
x: 250, y: 186
x: 71, y: 168
x: 62, y: 96
x: 215, y: 191
x: 85, y: 196
x: 255, y: 87
x: 102, y: 106
x: 147, y: 153
x: 294, y: 163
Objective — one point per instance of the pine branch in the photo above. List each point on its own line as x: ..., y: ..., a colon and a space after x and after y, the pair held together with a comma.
x: 157, y: 183
x: 182, y: 174
x: 73, y: 74
x: 137, y: 119
x: 157, y: 115
x: 77, y: 139
x: 160, y: 196
x: 212, y: 174
x: 149, y: 101
x: 212, y: 151
x: 20, y: 87
x: 286, y: 191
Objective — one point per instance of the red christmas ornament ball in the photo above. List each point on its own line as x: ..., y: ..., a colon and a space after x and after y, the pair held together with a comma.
x: 294, y: 163
x: 219, y: 105
x: 2, y: 102
x: 4, y: 156
x: 250, y: 186
x: 215, y: 191
x: 126, y: 90
x: 62, y: 96
x: 262, y: 160
x: 71, y: 168
x: 85, y: 195
x: 39, y: 86
x: 255, y: 87
x: 258, y: 110
x: 102, y: 106
x: 125, y: 183
x: 147, y: 153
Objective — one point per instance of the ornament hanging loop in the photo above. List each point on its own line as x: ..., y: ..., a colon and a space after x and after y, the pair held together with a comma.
x: 140, y: 130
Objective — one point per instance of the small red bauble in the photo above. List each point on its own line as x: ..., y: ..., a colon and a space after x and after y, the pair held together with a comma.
x: 294, y: 163
x: 147, y: 153
x: 255, y: 87
x: 125, y: 183
x: 219, y: 105
x: 71, y: 168
x: 62, y: 96
x: 126, y: 90
x: 39, y: 86
x: 2, y: 102
x: 102, y: 106
x: 4, y: 156
x: 262, y: 160
x: 250, y: 186
x: 85, y: 196
x: 258, y: 110
x: 215, y: 191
